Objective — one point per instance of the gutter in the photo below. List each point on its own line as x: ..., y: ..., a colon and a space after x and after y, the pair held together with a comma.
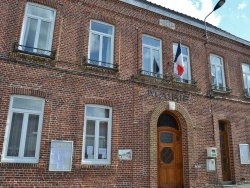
x: 184, y: 19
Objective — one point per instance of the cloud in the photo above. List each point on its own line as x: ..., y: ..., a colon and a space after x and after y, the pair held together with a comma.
x: 198, y: 9
x: 242, y: 6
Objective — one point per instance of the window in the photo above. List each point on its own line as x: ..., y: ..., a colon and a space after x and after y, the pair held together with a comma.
x: 37, y: 30
x: 246, y: 77
x: 101, y: 42
x: 186, y: 76
x: 97, y: 135
x: 217, y: 71
x: 23, y: 132
x: 151, y: 56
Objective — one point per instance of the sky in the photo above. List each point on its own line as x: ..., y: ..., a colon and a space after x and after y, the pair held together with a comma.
x: 233, y: 16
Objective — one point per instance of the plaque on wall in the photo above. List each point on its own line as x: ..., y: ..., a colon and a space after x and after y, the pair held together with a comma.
x: 244, y: 154
x: 60, y: 155
x: 125, y: 154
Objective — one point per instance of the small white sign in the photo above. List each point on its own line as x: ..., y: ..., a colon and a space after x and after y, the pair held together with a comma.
x: 171, y: 105
x: 90, y: 156
x: 125, y: 154
x: 167, y: 23
x: 102, y: 151
x: 244, y: 154
x: 90, y: 150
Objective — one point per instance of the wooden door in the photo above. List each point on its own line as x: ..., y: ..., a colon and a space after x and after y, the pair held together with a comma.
x: 170, y: 162
x: 224, y: 149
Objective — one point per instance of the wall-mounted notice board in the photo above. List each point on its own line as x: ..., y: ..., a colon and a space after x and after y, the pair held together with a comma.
x: 244, y: 154
x: 60, y: 155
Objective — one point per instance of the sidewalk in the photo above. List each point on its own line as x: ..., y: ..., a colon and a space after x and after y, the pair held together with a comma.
x: 236, y: 186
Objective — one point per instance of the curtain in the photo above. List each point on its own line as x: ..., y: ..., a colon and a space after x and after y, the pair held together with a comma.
x: 31, y: 136
x: 15, y: 134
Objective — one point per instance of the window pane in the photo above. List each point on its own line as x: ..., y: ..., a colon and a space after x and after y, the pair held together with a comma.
x: 15, y: 134
x: 245, y: 81
x: 97, y: 112
x: 106, y: 50
x: 31, y: 136
x: 185, y: 73
x: 89, y: 147
x: 90, y: 129
x: 184, y: 51
x: 214, y: 75
x: 27, y: 104
x: 94, y: 47
x: 103, y: 132
x: 146, y: 59
x: 102, y: 28
x: 90, y: 139
x: 30, y: 34
x: 43, y: 36
x: 151, y: 41
x: 248, y: 83
x: 215, y: 60
x: 219, y: 76
x: 246, y: 69
x: 156, y: 63
x: 41, y: 12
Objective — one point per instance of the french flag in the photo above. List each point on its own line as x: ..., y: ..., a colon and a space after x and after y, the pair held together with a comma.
x: 179, y: 61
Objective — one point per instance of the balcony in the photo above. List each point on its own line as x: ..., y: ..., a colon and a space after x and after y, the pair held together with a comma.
x: 164, y: 80
x: 99, y: 64
x: 184, y: 81
x: 153, y: 74
x: 220, y: 89
x: 34, y: 51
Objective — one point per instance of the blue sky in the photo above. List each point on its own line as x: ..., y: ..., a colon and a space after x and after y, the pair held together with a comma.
x: 233, y: 16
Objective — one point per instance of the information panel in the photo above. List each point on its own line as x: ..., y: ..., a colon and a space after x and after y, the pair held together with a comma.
x: 244, y: 154
x: 61, y: 155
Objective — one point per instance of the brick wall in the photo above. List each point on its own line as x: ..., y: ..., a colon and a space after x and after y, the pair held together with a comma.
x: 68, y: 86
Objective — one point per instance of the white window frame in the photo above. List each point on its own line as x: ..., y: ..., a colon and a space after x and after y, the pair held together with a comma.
x: 245, y: 79
x: 21, y: 158
x: 146, y: 72
x: 97, y: 161
x: 217, y: 87
x: 99, y: 63
x: 24, y: 26
x: 186, y: 69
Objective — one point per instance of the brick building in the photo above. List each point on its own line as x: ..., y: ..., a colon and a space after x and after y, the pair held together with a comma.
x: 88, y: 97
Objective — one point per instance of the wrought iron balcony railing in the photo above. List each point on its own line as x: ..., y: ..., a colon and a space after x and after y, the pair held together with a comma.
x: 182, y: 80
x: 34, y: 51
x: 153, y: 74
x: 100, y: 64
x: 221, y: 89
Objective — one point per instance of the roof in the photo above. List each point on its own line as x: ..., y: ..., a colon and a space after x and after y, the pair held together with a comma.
x: 144, y: 4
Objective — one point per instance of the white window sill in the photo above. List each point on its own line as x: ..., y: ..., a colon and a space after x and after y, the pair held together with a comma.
x: 96, y: 162
x: 20, y: 160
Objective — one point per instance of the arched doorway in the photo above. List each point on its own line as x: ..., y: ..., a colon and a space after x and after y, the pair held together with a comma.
x: 170, y: 157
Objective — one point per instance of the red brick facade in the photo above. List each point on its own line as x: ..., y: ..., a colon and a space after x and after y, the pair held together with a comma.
x: 68, y: 85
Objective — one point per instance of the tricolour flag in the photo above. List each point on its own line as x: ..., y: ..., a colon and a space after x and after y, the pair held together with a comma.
x: 179, y: 61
